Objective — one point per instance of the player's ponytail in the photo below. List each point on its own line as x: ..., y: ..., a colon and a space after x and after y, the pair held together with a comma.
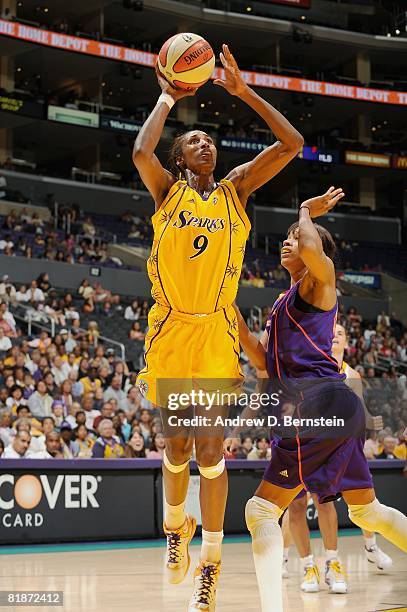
x: 174, y: 154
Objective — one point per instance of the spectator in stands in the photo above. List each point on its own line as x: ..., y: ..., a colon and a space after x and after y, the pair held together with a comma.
x: 5, y: 342
x: 107, y: 445
x: 261, y: 450
x: 88, y: 228
x: 90, y: 412
x: 48, y: 425
x: 60, y: 370
x: 122, y: 371
x: 157, y: 446
x: 53, y: 446
x: 85, y: 442
x: 90, y: 382
x: 5, y: 326
x: 19, y: 447
x: 22, y: 295
x: 85, y: 289
x: 58, y: 412
x: 389, y: 445
x: 372, y: 445
x: 34, y: 293
x: 43, y: 282
x: 132, y: 403
x: 6, y: 431
x: 132, y: 312
x: 106, y: 412
x: 70, y: 448
x: 116, y: 392
x: 245, y: 448
x: 40, y: 402
x: 1, y: 447
x: 136, y: 333
x: 135, y: 447
x: 93, y: 332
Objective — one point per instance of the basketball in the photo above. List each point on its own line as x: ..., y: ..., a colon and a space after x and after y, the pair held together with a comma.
x: 186, y: 60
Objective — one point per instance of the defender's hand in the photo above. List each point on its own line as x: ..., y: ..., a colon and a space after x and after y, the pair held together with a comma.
x: 320, y: 205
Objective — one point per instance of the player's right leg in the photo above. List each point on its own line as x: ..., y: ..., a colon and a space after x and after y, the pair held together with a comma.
x: 178, y: 526
x: 368, y: 513
x: 374, y: 553
x: 263, y: 511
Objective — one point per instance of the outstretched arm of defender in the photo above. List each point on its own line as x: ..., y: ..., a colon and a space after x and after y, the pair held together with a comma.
x: 309, y: 242
x: 157, y: 180
x: 252, y: 346
x: 252, y: 175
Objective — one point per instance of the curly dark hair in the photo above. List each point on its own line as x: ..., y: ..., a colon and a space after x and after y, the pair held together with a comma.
x: 175, y: 152
x: 328, y: 243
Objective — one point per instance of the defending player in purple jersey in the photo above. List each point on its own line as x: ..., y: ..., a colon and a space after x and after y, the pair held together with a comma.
x: 296, y: 349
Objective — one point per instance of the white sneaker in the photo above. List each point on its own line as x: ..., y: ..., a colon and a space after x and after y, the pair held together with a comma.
x: 284, y: 569
x: 205, y: 582
x: 178, y: 559
x: 335, y: 577
x: 310, y: 584
x: 375, y: 555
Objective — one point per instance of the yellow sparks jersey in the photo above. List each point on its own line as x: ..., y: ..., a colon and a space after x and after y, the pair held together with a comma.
x: 198, y: 249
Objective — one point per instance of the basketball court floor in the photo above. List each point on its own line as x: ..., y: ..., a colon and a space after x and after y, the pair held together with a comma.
x: 128, y: 577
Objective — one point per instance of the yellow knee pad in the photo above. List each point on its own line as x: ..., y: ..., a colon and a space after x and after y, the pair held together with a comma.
x: 175, y: 469
x: 213, y: 471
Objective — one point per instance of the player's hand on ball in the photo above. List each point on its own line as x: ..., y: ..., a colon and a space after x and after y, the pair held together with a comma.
x: 166, y: 87
x: 230, y: 445
x: 233, y: 81
x: 320, y: 205
x: 374, y: 422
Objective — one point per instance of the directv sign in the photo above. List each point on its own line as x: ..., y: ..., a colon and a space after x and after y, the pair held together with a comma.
x: 119, y: 125
x: 319, y: 155
x: 240, y: 144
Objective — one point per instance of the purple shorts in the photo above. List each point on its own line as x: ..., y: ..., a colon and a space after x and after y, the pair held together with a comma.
x: 324, y: 462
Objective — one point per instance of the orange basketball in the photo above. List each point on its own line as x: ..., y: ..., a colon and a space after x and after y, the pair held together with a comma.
x: 186, y: 60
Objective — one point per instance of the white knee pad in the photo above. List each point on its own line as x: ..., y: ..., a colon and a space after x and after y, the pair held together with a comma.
x: 259, y: 511
x: 389, y: 522
x: 213, y: 471
x: 175, y: 469
x: 369, y: 516
x: 262, y: 522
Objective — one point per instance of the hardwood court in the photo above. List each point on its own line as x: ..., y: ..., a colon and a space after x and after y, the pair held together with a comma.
x: 132, y: 580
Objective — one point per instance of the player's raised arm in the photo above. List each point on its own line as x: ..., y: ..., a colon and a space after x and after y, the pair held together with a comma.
x: 254, y: 348
x: 252, y: 175
x: 157, y: 180
x: 310, y: 248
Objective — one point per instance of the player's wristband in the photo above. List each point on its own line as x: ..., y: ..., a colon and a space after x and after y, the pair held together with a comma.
x: 167, y: 99
x: 307, y: 207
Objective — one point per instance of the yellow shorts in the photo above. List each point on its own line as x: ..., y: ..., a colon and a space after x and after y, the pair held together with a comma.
x: 185, y: 352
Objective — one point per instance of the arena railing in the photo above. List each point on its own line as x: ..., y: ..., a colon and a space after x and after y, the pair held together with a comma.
x: 35, y: 318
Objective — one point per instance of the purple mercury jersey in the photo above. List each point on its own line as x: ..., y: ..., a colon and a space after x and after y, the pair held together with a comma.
x: 300, y: 343
x: 324, y: 460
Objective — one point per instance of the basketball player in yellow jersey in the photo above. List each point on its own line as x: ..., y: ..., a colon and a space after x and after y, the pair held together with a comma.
x: 327, y: 516
x: 200, y: 231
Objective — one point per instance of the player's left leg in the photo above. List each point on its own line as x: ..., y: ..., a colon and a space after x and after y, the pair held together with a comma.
x: 212, y: 496
x: 300, y: 531
x: 328, y: 526
x: 368, y: 513
x: 263, y: 511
